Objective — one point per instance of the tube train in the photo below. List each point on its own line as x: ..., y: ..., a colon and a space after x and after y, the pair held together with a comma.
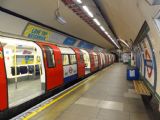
x: 31, y: 70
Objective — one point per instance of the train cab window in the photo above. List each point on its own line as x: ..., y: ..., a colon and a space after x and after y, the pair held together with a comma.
x: 65, y: 59
x: 49, y: 56
x: 73, y: 59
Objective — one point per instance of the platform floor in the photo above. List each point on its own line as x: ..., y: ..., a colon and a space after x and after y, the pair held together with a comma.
x: 107, y: 96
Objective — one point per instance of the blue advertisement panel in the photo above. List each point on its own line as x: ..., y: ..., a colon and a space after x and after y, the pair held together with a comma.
x: 69, y: 41
x: 86, y: 45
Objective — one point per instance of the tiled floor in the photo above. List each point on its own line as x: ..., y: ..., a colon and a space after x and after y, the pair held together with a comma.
x: 26, y: 90
x: 109, y: 97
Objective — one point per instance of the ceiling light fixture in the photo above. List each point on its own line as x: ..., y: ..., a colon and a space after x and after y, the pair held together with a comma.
x: 106, y: 33
x: 87, y: 11
x: 79, y: 1
x: 102, y: 28
x: 115, y: 43
x: 112, y: 40
x: 96, y: 21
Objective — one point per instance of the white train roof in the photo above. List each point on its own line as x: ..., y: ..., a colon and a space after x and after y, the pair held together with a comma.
x: 84, y: 51
x: 65, y: 50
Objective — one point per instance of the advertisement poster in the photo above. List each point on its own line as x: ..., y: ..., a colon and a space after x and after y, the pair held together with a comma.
x: 38, y: 33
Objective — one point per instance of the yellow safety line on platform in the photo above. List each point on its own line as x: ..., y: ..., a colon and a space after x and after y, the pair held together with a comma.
x: 56, y: 99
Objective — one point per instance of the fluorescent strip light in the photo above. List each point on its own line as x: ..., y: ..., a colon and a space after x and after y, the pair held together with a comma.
x: 113, y: 40
x: 88, y: 11
x: 115, y: 43
x: 102, y: 28
x: 109, y: 36
x: 97, y: 22
x: 79, y: 1
x: 106, y: 33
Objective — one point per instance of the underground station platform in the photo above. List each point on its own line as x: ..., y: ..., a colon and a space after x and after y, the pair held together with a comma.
x: 106, y: 95
x: 79, y: 59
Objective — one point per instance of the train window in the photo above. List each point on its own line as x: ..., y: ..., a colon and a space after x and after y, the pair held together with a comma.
x: 73, y: 59
x: 49, y: 56
x: 65, y: 59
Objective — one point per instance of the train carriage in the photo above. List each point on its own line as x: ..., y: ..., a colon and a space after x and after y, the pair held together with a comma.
x: 86, y: 61
x: 107, y: 59
x: 69, y: 64
x: 53, y: 65
x: 80, y: 62
x: 100, y: 64
x: 95, y: 58
x: 32, y: 71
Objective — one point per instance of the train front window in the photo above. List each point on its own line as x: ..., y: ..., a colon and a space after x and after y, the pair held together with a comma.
x: 50, y: 56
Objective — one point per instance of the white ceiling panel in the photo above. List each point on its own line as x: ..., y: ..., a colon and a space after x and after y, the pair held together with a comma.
x: 44, y: 11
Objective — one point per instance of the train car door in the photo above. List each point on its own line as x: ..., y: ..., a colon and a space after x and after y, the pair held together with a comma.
x: 86, y: 61
x: 53, y: 65
x: 95, y: 60
x: 99, y: 61
x: 92, y: 62
x: 80, y: 62
x: 3, y: 82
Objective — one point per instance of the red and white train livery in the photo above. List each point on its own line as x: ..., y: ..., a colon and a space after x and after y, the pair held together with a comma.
x: 32, y: 69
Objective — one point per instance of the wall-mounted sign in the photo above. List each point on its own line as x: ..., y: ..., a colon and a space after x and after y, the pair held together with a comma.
x: 35, y: 32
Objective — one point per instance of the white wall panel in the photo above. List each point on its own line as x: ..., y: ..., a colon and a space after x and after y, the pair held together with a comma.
x: 11, y: 24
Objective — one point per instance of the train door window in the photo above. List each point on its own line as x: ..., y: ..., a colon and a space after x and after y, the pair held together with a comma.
x: 65, y: 59
x: 73, y: 59
x: 49, y: 56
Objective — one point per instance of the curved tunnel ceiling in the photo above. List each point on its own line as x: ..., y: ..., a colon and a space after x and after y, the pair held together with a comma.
x: 44, y: 11
x: 125, y: 16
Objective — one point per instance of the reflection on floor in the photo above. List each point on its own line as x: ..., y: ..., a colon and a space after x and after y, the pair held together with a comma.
x: 26, y: 90
x: 108, y: 97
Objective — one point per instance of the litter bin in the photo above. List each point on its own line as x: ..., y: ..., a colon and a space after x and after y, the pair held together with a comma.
x: 132, y: 73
